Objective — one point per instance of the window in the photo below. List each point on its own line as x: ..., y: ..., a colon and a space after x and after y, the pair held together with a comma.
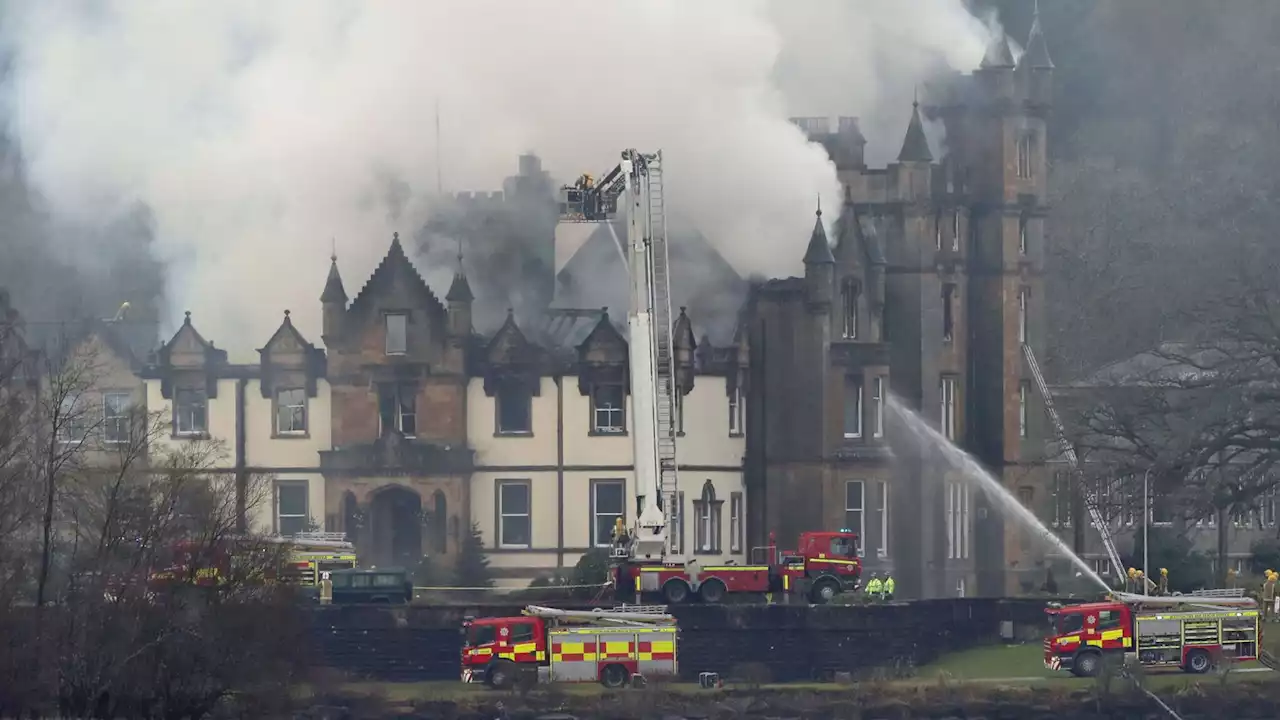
x: 937, y: 230
x: 1101, y: 566
x: 853, y: 407
x: 1022, y: 315
x: 291, y: 507
x: 515, y: 521
x: 115, y: 416
x: 677, y: 400
x: 1022, y: 235
x: 957, y: 521
x: 948, y: 393
x: 675, y: 506
x: 1241, y: 565
x: 521, y: 632
x: 71, y: 421
x: 608, y: 409
x: 190, y: 411
x: 1269, y: 507
x: 735, y: 522
x: 854, y: 498
x: 291, y: 411
x: 514, y: 406
x: 1022, y: 409
x: 849, y: 300
x: 1026, y: 146
x: 1027, y: 496
x: 737, y: 411
x: 883, y: 492
x: 397, y: 406
x: 1062, y: 500
x: 948, y: 311
x: 1162, y: 509
x: 397, y: 333
x: 877, y: 407
x: 707, y: 531
x: 955, y: 231
x: 608, y: 505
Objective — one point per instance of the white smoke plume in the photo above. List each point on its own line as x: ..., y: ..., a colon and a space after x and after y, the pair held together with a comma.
x: 259, y: 131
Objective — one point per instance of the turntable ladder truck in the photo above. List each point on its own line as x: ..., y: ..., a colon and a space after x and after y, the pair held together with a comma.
x: 644, y: 556
x: 611, y: 647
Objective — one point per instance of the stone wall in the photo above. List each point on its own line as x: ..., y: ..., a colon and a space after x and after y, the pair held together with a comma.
x: 793, y: 642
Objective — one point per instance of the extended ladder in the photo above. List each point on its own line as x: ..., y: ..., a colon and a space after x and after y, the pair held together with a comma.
x: 664, y: 360
x: 1090, y: 497
x: 625, y: 615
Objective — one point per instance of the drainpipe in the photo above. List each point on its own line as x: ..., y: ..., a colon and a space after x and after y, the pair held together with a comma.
x: 559, y: 471
x: 242, y: 472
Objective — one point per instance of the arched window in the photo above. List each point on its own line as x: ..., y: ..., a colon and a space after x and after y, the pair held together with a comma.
x: 707, y: 507
x: 849, y: 290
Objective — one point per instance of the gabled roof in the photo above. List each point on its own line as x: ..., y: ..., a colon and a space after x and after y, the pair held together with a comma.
x: 396, y: 263
x: 287, y: 329
x: 509, y: 343
x: 915, y: 146
x: 604, y: 333
x: 819, y: 250
x: 212, y: 354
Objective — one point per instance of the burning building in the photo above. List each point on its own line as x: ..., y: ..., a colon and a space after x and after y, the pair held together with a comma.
x: 927, y: 292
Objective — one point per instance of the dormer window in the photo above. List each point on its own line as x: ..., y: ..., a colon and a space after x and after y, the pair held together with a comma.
x: 291, y: 411
x: 849, y: 301
x: 608, y: 410
x: 397, y: 333
x: 190, y: 412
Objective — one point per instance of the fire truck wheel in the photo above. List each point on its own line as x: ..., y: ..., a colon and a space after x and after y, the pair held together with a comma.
x: 614, y: 676
x: 824, y: 591
x: 1198, y: 662
x: 675, y: 591
x: 1087, y: 664
x: 712, y: 591
x: 501, y: 675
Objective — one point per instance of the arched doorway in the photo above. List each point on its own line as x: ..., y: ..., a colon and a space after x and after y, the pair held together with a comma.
x: 396, y: 524
x: 351, y: 520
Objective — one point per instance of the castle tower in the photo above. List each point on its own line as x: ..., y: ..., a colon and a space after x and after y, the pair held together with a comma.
x: 459, y: 299
x: 333, y: 300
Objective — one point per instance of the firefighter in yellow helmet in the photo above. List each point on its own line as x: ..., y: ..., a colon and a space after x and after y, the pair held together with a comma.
x: 874, y: 587
x: 1131, y: 580
x: 1268, y: 595
x: 888, y: 586
x: 1164, y: 581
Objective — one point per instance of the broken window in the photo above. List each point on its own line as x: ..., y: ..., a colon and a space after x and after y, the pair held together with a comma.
x: 948, y: 312
x: 849, y: 298
x: 1062, y: 500
x: 291, y: 411
x: 397, y: 333
x: 515, y: 410
x: 190, y: 411
x: 397, y: 409
x: 877, y: 407
x: 853, y: 407
x: 608, y: 409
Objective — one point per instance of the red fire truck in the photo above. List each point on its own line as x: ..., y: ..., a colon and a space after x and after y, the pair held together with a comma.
x: 1188, y: 631
x: 301, y: 559
x: 611, y: 647
x: 824, y: 565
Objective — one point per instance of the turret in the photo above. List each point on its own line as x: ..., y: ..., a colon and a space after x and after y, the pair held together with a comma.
x: 459, y: 299
x: 996, y: 69
x: 819, y: 267
x: 1036, y: 65
x: 334, y: 302
x: 685, y: 348
x: 914, y: 171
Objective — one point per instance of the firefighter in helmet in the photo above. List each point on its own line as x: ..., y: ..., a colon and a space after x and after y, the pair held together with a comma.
x: 1164, y: 581
x: 1269, y: 595
x: 874, y: 587
x: 888, y: 586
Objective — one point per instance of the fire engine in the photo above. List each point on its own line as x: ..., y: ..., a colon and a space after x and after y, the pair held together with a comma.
x: 611, y: 647
x: 1188, y: 631
x: 644, y: 557
x: 302, y: 559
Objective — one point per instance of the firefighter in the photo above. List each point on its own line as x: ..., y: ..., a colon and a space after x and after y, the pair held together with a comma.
x: 888, y: 586
x: 874, y: 587
x: 1231, y: 578
x: 326, y: 588
x: 1164, y: 581
x: 1131, y: 580
x: 1268, y: 596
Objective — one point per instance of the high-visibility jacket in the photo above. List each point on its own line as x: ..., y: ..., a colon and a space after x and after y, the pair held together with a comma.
x: 888, y: 586
x: 874, y: 586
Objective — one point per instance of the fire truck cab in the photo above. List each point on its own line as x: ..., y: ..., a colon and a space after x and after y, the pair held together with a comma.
x: 1188, y: 631
x: 611, y: 647
x: 824, y: 565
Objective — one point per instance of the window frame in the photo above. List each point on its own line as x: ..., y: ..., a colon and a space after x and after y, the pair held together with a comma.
x: 737, y: 412
x: 1024, y: 390
x: 280, y: 406
x: 595, y: 514
x: 860, y: 512
x: 882, y: 551
x: 955, y: 230
x: 1022, y: 235
x: 190, y: 392
x: 501, y: 513
x: 1024, y: 301
x: 292, y: 484
x: 877, y: 406
x: 947, y: 396
x: 948, y: 312
x: 124, y: 418
x: 855, y: 382
x: 403, y: 317
x: 849, y: 309
x: 736, y: 514
x: 707, y: 521
x: 1025, y: 149
x: 675, y: 507
x: 609, y: 412
x: 398, y: 394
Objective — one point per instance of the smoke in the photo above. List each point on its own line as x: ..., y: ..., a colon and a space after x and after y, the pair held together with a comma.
x: 260, y: 133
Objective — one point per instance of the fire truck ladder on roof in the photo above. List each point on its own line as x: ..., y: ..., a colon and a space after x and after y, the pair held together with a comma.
x: 1220, y: 599
x: 634, y: 615
x: 664, y: 360
x: 1090, y: 498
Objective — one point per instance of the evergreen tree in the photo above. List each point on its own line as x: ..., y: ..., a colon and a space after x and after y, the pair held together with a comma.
x: 472, y: 567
